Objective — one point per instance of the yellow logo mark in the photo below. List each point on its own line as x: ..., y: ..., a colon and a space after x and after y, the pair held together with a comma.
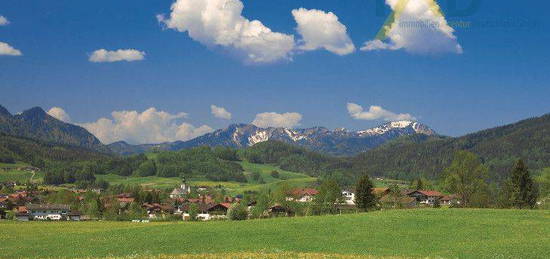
x: 396, y: 13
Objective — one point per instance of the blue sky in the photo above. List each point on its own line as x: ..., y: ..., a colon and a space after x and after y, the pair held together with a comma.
x: 501, y: 76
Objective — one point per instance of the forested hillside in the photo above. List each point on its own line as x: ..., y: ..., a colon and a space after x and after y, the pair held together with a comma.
x: 39, y: 153
x: 299, y: 159
x: 35, y: 123
x: 499, y: 148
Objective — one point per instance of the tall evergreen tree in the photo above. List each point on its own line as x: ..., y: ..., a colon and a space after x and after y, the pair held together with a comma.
x: 364, y: 198
x: 524, y: 193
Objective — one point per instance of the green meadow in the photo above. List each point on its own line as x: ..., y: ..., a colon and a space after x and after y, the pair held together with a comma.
x: 10, y: 172
x: 418, y: 233
x: 292, y: 178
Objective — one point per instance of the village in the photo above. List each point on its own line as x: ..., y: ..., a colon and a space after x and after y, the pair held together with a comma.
x: 201, y: 203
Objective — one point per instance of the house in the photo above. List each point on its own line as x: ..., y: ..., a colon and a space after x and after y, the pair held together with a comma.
x: 48, y: 211
x: 449, y: 199
x: 425, y: 197
x: 349, y: 197
x: 154, y: 209
x: 219, y: 209
x: 3, y: 209
x: 125, y: 200
x: 278, y: 210
x: 303, y: 195
x: 391, y: 201
x: 74, y: 216
x: 202, y: 188
x: 22, y: 214
x: 202, y: 208
x: 380, y: 191
x: 183, y: 190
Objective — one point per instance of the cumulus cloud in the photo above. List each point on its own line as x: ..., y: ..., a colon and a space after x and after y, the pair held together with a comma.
x: 7, y: 50
x: 103, y: 55
x: 220, y: 23
x: 220, y: 112
x: 277, y: 120
x: 375, y: 113
x: 322, y: 30
x: 418, y: 27
x: 60, y: 114
x: 149, y: 126
x: 4, y: 21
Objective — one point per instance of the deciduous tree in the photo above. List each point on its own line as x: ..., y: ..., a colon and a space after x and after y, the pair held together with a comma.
x: 467, y: 177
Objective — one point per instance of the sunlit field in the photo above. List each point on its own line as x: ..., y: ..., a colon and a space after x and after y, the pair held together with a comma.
x: 446, y: 233
x: 292, y: 178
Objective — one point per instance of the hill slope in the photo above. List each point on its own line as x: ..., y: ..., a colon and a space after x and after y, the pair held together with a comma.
x: 35, y: 123
x: 499, y: 148
x: 37, y: 153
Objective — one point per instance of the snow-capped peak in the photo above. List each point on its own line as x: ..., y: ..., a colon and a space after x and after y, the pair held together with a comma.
x: 400, y: 124
x: 396, y: 125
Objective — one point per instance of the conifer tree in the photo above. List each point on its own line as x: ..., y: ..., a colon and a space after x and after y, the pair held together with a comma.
x: 364, y: 198
x: 524, y: 193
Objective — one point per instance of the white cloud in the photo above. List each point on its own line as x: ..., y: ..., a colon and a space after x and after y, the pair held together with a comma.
x: 376, y: 113
x: 4, y: 21
x: 60, y: 114
x: 420, y: 28
x: 6, y: 49
x: 277, y: 120
x: 103, y: 55
x: 149, y: 126
x: 220, y: 23
x: 322, y: 30
x: 220, y: 112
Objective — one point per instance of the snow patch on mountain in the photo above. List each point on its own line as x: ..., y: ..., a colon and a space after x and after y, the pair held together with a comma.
x: 295, y: 136
x: 260, y: 136
x: 396, y: 125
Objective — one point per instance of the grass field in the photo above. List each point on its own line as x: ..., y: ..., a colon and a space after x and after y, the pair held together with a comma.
x: 292, y: 178
x: 435, y: 233
x: 10, y: 172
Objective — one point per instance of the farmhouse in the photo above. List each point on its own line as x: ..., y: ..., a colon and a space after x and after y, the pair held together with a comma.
x: 155, y: 209
x: 392, y: 201
x: 449, y: 199
x: 22, y: 214
x: 202, y: 209
x: 278, y: 210
x: 381, y: 191
x: 219, y: 209
x: 349, y: 197
x: 125, y: 200
x: 426, y: 197
x: 302, y: 195
x: 46, y: 212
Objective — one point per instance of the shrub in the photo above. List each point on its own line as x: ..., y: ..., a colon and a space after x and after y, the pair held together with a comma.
x: 237, y: 212
x: 193, y: 211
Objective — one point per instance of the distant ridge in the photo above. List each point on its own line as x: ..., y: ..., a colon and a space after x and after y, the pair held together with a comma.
x: 498, y: 147
x: 35, y: 123
x: 335, y: 142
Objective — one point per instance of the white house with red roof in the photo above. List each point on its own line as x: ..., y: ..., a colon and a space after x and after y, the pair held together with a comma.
x: 425, y: 197
x: 302, y: 195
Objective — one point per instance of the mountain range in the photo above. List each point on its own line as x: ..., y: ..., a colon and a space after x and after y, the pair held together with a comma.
x: 400, y: 150
x: 35, y: 123
x: 334, y: 142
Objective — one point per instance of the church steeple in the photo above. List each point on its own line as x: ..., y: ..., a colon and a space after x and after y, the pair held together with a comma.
x: 184, y: 187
